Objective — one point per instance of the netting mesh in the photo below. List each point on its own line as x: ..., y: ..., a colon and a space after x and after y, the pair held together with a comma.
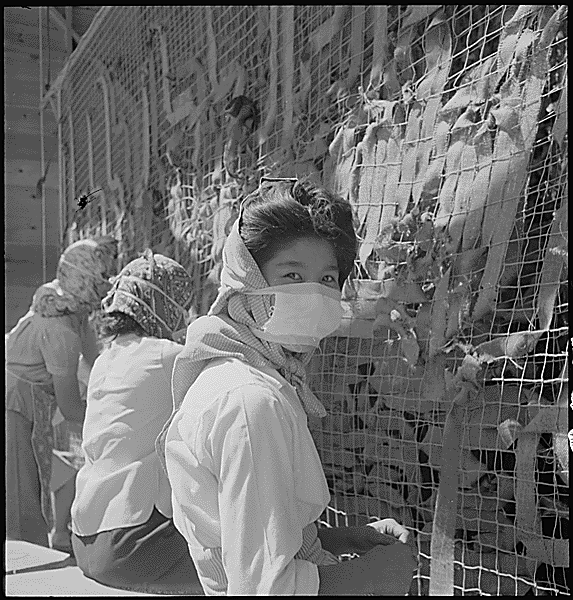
x: 446, y: 127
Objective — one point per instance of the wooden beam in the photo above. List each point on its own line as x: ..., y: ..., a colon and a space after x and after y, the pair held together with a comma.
x: 82, y: 16
x: 23, y: 98
x: 68, y: 13
x: 43, y: 169
x: 57, y: 17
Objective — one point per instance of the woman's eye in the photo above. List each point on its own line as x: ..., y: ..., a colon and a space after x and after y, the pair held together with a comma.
x: 329, y: 279
x: 293, y: 276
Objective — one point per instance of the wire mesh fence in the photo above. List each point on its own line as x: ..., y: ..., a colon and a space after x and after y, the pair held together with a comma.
x: 446, y: 128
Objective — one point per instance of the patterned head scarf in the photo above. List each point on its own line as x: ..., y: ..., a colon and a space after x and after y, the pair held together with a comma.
x: 241, y: 274
x: 82, y: 280
x: 155, y: 291
x: 226, y: 332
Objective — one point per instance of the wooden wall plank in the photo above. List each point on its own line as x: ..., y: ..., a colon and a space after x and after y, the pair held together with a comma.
x: 29, y: 57
x: 24, y: 237
x: 20, y: 53
x: 24, y: 272
x: 27, y: 35
x: 28, y: 172
x: 17, y: 254
x: 23, y: 210
x: 25, y: 98
x: 26, y: 93
x: 82, y: 16
x: 23, y: 204
x: 16, y: 16
x: 18, y: 301
x: 26, y: 120
x: 21, y: 69
x: 21, y: 15
x: 22, y: 120
x: 20, y: 146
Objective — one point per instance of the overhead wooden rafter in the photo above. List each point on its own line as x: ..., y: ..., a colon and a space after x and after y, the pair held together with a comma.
x: 65, y: 23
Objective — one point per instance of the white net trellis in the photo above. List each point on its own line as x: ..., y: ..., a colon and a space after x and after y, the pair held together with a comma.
x: 446, y: 127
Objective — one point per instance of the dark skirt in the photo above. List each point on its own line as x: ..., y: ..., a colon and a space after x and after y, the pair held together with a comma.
x: 24, y: 519
x: 153, y: 558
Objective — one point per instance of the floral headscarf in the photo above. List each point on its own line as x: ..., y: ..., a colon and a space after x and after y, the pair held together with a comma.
x: 155, y: 291
x: 82, y: 278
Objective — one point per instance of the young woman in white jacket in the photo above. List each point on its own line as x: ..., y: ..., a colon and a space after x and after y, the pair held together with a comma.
x: 248, y: 485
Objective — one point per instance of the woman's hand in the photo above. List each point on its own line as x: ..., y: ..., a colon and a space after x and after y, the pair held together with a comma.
x: 383, y: 532
x: 385, y: 568
x: 390, y: 527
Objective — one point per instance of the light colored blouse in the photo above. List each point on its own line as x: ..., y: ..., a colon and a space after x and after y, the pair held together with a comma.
x: 247, y: 483
x: 39, y: 347
x: 128, y: 402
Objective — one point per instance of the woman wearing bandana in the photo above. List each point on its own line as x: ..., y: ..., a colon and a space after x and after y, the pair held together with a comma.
x: 248, y: 485
x: 123, y: 534
x: 42, y: 355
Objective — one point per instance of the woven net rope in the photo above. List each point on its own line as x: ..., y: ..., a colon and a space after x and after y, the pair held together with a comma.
x: 446, y: 128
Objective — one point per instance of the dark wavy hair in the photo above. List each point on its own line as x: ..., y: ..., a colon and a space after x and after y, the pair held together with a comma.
x: 118, y: 323
x: 280, y: 212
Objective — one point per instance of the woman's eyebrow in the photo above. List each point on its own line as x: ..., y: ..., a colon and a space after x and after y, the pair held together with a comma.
x: 291, y: 263
x: 294, y: 263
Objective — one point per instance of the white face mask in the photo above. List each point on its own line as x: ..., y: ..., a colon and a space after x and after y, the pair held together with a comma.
x: 303, y: 314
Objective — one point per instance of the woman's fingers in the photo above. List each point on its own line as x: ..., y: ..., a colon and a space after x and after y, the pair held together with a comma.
x: 391, y: 527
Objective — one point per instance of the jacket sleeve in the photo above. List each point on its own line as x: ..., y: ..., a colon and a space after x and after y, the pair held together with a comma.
x: 260, y: 528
